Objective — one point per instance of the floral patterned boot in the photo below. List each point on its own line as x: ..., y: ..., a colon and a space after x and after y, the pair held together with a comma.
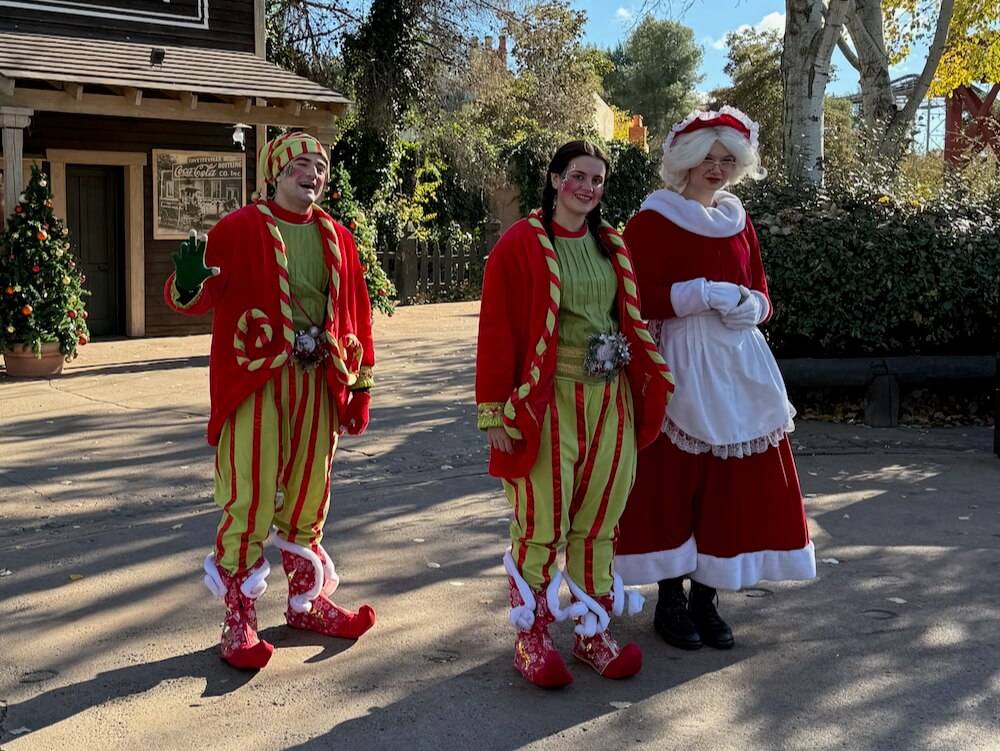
x: 311, y: 580
x: 602, y: 652
x: 240, y: 645
x: 535, y: 656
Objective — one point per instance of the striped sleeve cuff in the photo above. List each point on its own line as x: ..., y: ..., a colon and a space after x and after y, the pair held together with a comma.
x: 489, y: 415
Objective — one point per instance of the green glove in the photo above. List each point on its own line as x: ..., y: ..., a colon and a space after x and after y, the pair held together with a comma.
x: 189, y: 263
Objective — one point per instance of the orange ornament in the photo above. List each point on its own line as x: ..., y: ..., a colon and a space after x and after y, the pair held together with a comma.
x: 82, y: 340
x: 26, y: 310
x: 42, y: 235
x: 10, y: 290
x: 335, y: 195
x: 354, y: 225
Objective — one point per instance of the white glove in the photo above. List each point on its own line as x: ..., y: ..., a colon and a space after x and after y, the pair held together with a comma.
x: 723, y: 296
x: 750, y: 312
x: 699, y: 296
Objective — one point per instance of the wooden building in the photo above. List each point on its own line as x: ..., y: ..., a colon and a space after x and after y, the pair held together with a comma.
x: 146, y: 116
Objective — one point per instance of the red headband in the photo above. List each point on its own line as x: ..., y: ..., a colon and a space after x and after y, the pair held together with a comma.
x: 722, y: 120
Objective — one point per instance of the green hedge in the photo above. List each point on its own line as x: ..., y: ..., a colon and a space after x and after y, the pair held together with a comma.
x: 856, y: 273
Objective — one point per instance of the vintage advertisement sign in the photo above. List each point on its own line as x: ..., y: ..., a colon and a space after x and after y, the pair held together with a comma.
x: 194, y: 189
x: 184, y: 13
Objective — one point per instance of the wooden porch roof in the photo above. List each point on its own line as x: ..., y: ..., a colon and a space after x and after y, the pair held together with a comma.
x: 96, y: 76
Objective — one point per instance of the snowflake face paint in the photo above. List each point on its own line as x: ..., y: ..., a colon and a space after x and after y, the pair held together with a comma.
x: 579, y: 189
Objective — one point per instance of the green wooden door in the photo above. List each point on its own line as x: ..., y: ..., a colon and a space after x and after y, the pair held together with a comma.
x: 95, y: 218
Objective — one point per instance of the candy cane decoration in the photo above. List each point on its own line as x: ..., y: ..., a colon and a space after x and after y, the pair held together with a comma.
x: 348, y: 347
x: 551, y: 316
x: 623, y: 265
x: 347, y: 350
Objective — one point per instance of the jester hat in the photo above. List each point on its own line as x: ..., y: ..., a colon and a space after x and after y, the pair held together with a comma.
x: 276, y: 154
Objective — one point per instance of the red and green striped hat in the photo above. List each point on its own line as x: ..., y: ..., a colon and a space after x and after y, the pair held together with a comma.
x: 274, y: 155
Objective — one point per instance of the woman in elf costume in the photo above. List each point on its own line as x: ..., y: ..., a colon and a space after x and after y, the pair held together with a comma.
x: 569, y: 385
x: 291, y: 364
x: 716, y: 497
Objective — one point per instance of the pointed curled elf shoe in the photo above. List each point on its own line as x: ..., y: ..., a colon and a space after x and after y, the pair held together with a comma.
x: 239, y: 645
x: 594, y: 643
x: 312, y: 578
x: 535, y: 656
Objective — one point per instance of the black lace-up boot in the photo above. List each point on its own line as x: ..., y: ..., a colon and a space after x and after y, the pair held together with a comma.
x: 714, y: 631
x: 671, y: 619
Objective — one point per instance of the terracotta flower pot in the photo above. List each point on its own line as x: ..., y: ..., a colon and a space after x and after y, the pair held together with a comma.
x: 22, y: 363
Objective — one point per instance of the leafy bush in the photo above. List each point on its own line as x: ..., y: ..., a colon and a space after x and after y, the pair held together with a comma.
x: 854, y: 272
x: 634, y: 175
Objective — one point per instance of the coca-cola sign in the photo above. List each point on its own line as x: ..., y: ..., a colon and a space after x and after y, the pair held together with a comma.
x: 194, y: 189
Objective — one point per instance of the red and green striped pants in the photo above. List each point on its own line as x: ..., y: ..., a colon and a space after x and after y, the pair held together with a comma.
x: 576, y: 492
x: 283, y: 437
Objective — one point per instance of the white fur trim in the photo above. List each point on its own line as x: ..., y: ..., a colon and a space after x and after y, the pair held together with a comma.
x: 573, y: 610
x: 212, y: 578
x: 646, y: 568
x: 256, y: 584
x: 626, y: 600
x: 746, y: 569
x: 596, y: 619
x: 301, y: 603
x: 725, y: 219
x: 738, y: 115
x: 332, y: 580
x: 523, y: 616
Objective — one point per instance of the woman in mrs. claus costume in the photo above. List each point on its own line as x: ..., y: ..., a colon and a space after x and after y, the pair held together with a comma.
x: 716, y: 497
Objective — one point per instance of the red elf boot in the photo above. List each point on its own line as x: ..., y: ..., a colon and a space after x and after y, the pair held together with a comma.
x: 535, y: 656
x: 240, y: 645
x: 311, y: 580
x: 594, y: 643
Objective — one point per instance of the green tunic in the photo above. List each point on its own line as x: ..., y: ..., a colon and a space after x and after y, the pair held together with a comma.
x: 308, y: 276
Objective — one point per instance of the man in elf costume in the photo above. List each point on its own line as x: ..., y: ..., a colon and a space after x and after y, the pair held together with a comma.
x: 291, y: 364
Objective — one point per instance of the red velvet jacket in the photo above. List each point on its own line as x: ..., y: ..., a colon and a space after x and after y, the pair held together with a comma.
x: 665, y: 253
x: 515, y: 302
x: 243, y: 249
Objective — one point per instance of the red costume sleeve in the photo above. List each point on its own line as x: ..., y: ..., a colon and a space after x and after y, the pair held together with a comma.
x: 647, y: 236
x: 217, y: 253
x: 759, y: 280
x: 505, y: 300
x: 355, y: 306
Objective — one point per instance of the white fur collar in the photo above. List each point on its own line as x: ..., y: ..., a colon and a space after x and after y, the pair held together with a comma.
x: 725, y: 219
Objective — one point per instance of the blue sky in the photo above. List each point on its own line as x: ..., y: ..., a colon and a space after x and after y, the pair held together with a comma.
x: 609, y: 22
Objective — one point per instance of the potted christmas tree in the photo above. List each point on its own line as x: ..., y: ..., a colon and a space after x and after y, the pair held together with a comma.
x: 343, y: 207
x: 42, y: 316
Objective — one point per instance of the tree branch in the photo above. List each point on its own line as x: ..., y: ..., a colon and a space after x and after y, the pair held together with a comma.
x: 905, y: 116
x: 845, y: 49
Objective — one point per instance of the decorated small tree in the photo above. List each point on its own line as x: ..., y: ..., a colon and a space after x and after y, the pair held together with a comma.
x: 343, y: 207
x: 41, y: 287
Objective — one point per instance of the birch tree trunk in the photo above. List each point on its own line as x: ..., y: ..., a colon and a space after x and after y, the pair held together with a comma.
x: 812, y: 29
x: 888, y: 127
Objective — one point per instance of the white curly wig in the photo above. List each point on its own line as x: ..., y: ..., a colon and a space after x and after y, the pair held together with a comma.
x: 684, y: 150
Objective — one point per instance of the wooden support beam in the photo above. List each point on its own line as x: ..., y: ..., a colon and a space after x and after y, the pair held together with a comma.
x: 75, y: 90
x: 133, y: 95
x: 7, y: 85
x: 135, y: 252
x: 294, y: 107
x: 243, y: 103
x: 189, y: 100
x: 161, y: 109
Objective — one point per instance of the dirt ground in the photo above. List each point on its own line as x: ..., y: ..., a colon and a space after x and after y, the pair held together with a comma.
x: 109, y: 637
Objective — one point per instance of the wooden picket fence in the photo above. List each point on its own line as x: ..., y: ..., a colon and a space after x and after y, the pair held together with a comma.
x: 430, y: 268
